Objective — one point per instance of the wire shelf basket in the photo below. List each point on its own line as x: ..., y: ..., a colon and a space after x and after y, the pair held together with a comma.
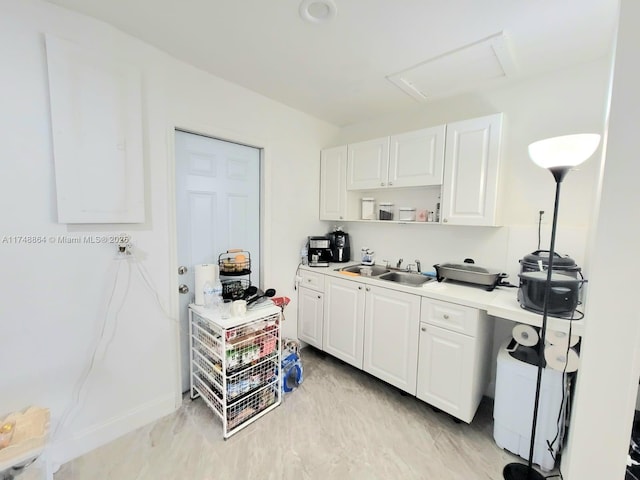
x: 235, y: 289
x: 235, y: 262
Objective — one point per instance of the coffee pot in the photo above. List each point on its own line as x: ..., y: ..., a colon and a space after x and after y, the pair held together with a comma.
x: 340, y: 245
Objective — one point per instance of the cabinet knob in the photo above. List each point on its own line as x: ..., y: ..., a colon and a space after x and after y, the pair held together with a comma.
x: 341, y: 218
x: 319, y: 296
x: 444, y: 220
x: 309, y: 280
x: 382, y: 184
x: 423, y: 329
x: 446, y: 316
x: 368, y: 289
x: 359, y: 288
x: 390, y: 183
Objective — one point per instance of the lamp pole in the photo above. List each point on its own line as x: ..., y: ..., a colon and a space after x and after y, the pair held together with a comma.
x: 518, y: 471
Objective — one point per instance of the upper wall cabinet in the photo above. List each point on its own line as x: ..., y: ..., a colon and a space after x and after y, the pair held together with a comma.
x: 472, y: 161
x: 333, y: 168
x: 456, y: 165
x: 96, y: 116
x: 368, y: 164
x: 416, y: 158
x: 411, y: 159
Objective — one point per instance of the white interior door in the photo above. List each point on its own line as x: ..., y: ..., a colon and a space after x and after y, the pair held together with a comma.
x: 217, y: 209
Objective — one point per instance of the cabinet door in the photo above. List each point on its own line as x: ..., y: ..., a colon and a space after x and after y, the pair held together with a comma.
x: 391, y: 336
x: 333, y: 181
x: 417, y: 158
x: 445, y: 371
x: 368, y: 164
x: 472, y: 158
x: 343, y: 330
x: 310, y: 316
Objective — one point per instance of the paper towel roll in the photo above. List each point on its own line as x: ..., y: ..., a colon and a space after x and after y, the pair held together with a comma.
x: 557, y: 357
x: 555, y: 337
x: 206, y: 272
x: 525, y: 335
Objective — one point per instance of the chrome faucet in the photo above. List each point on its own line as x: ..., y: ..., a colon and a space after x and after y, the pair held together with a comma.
x: 399, y: 264
x: 418, y: 268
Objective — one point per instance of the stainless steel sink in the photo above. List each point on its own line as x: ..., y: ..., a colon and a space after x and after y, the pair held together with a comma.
x: 375, y: 269
x: 406, y: 278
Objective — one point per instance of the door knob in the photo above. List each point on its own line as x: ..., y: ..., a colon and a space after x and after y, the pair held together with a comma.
x: 183, y: 289
x: 182, y: 270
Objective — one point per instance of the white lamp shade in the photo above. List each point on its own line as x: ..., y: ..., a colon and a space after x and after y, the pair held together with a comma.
x: 564, y: 151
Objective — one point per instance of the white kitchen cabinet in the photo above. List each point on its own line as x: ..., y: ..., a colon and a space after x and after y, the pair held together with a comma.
x: 454, y: 357
x: 472, y: 162
x: 391, y: 336
x: 311, y: 308
x: 333, y: 180
x: 368, y: 164
x: 411, y: 159
x: 343, y: 329
x: 417, y: 158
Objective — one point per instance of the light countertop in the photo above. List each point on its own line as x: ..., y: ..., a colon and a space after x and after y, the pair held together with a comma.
x: 502, y: 302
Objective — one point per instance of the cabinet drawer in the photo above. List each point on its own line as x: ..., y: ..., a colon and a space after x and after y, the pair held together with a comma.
x: 312, y: 280
x: 450, y: 316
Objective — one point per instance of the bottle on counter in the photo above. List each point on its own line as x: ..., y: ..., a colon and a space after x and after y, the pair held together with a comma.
x: 212, y: 294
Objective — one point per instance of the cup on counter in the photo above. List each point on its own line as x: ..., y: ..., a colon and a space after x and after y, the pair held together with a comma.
x: 238, y: 308
x: 225, y: 308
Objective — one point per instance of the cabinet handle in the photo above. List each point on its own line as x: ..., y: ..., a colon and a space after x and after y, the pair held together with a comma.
x: 446, y: 317
x: 423, y: 329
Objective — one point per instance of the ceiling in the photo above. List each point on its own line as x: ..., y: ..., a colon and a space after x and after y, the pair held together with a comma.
x: 360, y: 64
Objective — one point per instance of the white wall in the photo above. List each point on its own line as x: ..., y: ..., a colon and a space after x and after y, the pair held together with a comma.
x: 567, y: 101
x: 606, y: 390
x: 61, y: 303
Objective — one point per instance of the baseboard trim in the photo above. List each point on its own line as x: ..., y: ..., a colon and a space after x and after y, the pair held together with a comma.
x: 100, y: 434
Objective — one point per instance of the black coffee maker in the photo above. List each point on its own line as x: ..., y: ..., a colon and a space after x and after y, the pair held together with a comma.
x: 319, y: 251
x: 340, y: 246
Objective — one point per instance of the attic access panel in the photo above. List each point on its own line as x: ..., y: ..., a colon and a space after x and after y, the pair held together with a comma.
x: 457, y: 71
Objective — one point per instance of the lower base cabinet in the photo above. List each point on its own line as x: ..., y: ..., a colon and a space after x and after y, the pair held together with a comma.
x: 438, y: 351
x: 390, y: 337
x: 453, y: 362
x: 343, y: 329
x: 310, y: 316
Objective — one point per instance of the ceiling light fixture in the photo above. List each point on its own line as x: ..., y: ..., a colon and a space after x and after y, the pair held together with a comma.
x: 317, y: 11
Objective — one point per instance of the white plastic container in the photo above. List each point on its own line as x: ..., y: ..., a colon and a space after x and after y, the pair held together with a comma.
x: 513, y: 408
x: 406, y: 214
x: 368, y: 208
x: 385, y: 211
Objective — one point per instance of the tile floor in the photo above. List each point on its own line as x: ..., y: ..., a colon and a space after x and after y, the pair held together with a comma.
x: 340, y: 424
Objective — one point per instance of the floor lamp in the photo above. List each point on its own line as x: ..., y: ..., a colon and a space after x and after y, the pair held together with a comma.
x: 558, y: 155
